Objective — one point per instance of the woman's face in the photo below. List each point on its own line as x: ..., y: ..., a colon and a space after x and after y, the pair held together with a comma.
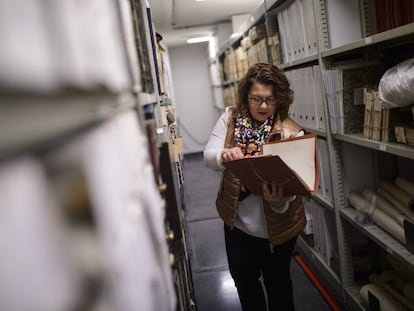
x: 261, y: 110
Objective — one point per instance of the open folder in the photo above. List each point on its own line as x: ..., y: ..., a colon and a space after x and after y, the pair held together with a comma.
x: 291, y: 163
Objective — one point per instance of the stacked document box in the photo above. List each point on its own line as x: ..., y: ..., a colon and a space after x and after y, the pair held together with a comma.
x: 297, y: 31
x: 242, y: 62
x: 307, y: 108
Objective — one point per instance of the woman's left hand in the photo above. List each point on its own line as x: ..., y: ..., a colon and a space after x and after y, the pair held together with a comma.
x: 273, y: 194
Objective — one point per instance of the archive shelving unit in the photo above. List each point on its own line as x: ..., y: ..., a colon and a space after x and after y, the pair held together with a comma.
x: 84, y: 135
x: 313, y: 39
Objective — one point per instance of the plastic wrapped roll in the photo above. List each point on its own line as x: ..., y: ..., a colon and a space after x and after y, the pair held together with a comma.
x: 360, y: 203
x: 388, y: 224
x: 402, y: 196
x: 405, y: 210
x: 386, y: 281
x: 386, y: 300
x: 384, y: 205
x: 405, y: 184
x: 378, y: 216
x: 396, y: 87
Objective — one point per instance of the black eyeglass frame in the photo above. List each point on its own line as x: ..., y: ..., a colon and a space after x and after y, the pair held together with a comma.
x: 262, y: 100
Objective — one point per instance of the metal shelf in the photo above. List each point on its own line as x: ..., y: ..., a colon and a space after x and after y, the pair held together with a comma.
x: 29, y: 121
x: 318, y: 132
x: 392, y: 148
x: 229, y: 82
x: 323, y: 202
x: 275, y: 3
x: 379, y: 236
x: 396, y: 33
x: 298, y: 62
x: 146, y: 98
x: 352, y: 298
x: 314, y: 260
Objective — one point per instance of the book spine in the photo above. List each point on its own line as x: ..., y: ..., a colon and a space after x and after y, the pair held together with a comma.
x: 380, y: 15
x: 398, y: 14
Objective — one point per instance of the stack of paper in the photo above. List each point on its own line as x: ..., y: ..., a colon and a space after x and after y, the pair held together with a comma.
x: 376, y: 117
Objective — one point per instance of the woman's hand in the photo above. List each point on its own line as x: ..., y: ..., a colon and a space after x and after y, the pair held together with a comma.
x: 230, y: 154
x: 273, y: 194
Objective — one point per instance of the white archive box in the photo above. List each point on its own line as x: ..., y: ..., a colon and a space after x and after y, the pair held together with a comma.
x: 324, y: 169
x: 88, y: 42
x: 26, y: 53
x: 318, y: 97
x: 130, y: 214
x: 324, y: 233
x: 34, y: 244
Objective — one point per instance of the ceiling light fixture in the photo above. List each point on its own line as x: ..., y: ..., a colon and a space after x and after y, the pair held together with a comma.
x: 199, y: 39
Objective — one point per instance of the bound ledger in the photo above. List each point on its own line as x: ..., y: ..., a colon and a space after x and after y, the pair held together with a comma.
x: 291, y: 163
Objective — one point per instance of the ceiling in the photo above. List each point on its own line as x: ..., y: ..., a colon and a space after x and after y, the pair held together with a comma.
x: 178, y: 20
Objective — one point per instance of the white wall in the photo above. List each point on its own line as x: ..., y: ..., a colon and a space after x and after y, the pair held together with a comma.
x: 196, y: 115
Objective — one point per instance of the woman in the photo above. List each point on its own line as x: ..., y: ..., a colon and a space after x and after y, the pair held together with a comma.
x: 260, y: 231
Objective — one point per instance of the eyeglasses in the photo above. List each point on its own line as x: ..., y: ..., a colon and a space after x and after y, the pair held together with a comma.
x: 257, y: 100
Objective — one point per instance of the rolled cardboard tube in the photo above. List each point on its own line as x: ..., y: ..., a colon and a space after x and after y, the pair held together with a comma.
x: 378, y: 216
x: 405, y: 184
x: 399, y: 194
x: 385, y: 280
x: 388, y: 224
x: 387, y: 302
x: 404, y: 209
x: 384, y: 205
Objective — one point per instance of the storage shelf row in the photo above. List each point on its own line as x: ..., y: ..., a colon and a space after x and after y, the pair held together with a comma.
x: 389, y: 36
x: 298, y: 62
x: 27, y: 121
x: 390, y: 147
x: 382, y: 238
x: 79, y: 119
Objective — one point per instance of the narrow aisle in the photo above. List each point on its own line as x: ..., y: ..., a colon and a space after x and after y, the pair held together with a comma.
x: 213, y: 285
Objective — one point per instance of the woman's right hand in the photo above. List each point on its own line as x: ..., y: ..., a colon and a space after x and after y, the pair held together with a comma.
x: 229, y: 154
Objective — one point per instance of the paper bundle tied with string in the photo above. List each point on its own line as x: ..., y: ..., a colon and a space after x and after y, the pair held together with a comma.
x: 289, y: 163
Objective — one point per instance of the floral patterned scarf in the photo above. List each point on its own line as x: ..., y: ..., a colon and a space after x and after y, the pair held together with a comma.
x: 249, y: 135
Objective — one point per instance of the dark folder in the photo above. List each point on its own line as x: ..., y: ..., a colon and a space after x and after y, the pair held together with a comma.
x: 298, y: 174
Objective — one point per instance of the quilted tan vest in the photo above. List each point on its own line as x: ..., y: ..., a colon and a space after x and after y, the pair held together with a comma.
x: 281, y: 227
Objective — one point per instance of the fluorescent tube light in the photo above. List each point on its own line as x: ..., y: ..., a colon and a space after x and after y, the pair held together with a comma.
x: 199, y: 39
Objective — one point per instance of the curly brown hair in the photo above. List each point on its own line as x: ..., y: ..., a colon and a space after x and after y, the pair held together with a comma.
x: 266, y: 74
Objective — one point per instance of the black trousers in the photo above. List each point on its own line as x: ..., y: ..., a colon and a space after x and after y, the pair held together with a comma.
x: 249, y: 258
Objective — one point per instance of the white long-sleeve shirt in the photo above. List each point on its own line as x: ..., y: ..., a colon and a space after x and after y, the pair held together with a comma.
x: 250, y: 211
